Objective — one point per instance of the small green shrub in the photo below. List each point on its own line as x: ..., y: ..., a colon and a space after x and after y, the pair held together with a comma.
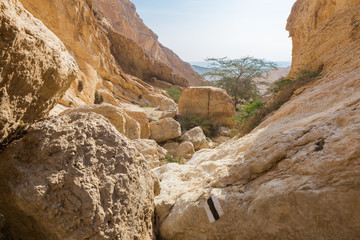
x: 98, y: 98
x: 190, y: 121
x: 174, y: 93
x: 255, y: 111
x: 171, y: 159
x: 249, y: 109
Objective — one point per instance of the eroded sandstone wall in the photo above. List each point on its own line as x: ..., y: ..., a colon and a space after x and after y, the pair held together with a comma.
x: 76, y: 26
x: 124, y: 19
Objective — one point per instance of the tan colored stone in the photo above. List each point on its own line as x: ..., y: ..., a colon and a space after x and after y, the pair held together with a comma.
x: 197, y: 137
x: 142, y: 118
x: 79, y: 179
x: 151, y: 151
x: 90, y: 44
x: 165, y: 104
x: 172, y: 148
x: 165, y: 129
x: 170, y: 112
x: 35, y: 69
x: 208, y: 103
x: 186, y: 150
x: 118, y: 117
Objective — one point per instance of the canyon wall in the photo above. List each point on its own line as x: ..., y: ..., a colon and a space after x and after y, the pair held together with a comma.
x: 122, y: 16
x: 297, y: 175
x: 87, y: 40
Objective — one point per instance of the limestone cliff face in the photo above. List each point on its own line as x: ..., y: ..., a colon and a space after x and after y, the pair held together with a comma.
x: 296, y: 176
x: 125, y: 21
x: 75, y: 24
x: 312, y: 25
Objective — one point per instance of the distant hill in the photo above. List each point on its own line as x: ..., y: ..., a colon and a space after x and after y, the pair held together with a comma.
x: 200, y: 69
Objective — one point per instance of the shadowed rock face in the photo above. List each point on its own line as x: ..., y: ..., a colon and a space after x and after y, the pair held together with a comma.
x: 123, y: 18
x: 297, y: 175
x: 76, y: 177
x: 35, y: 69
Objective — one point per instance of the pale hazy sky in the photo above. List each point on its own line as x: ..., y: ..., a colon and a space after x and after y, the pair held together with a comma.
x: 197, y: 29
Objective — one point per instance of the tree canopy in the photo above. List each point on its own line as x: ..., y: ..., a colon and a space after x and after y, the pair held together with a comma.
x: 239, y: 77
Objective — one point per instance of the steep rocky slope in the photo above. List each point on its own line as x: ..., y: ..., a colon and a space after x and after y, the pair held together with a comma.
x: 125, y: 21
x: 35, y: 69
x: 77, y: 27
x: 296, y: 176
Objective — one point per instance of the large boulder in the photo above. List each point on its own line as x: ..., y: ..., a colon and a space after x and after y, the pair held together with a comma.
x: 197, y: 137
x: 75, y: 177
x: 165, y: 129
x: 208, y: 103
x: 35, y: 69
x: 118, y: 117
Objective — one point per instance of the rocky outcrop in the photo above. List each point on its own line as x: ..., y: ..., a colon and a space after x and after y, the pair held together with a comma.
x: 122, y: 16
x: 116, y: 116
x: 307, y: 19
x: 87, y: 40
x: 296, y: 176
x: 208, y: 103
x: 35, y: 69
x: 76, y: 177
x: 165, y: 129
x: 134, y: 61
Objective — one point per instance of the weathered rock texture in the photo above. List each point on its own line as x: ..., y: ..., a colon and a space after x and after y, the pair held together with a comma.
x: 76, y: 25
x: 118, y: 117
x: 208, y: 103
x: 296, y: 176
x: 35, y: 69
x: 76, y: 177
x: 122, y: 16
x: 308, y: 18
x: 151, y: 151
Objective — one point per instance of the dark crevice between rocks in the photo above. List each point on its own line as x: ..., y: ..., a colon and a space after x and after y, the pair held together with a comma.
x: 5, y: 233
x: 16, y: 135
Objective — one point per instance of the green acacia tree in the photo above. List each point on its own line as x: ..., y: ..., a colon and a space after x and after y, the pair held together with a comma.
x: 239, y: 77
